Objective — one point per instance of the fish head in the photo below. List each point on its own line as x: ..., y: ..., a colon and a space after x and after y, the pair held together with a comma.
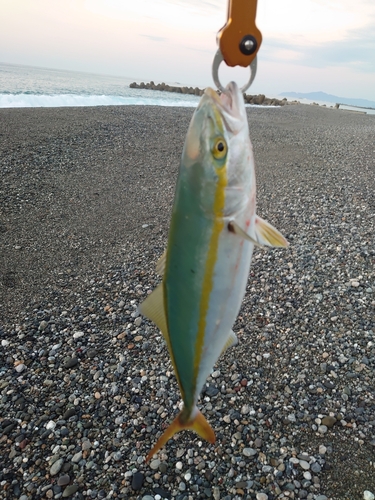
x: 218, y: 155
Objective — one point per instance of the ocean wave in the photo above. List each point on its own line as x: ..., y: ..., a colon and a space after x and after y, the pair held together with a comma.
x: 26, y: 100
x: 67, y: 100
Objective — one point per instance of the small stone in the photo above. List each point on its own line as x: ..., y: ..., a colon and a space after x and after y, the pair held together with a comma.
x: 20, y: 368
x: 70, y: 490
x: 258, y: 443
x: 77, y: 335
x: 69, y: 413
x: 316, y: 468
x: 50, y: 425
x: 56, y: 467
x: 77, y: 457
x: 43, y: 325
x: 249, y: 452
x: 322, y: 429
x: 322, y: 449
x: 368, y: 495
x: 70, y: 362
x: 137, y: 481
x: 262, y: 496
x: 155, y: 464
x: 305, y: 465
x: 163, y: 467
x: 86, y: 445
x: 329, y: 421
x: 179, y: 465
x: 63, y: 480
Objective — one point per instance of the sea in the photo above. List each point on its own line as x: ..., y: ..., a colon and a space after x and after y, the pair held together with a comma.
x: 28, y: 86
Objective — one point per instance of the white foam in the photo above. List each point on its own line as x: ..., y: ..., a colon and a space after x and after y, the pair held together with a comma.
x: 68, y: 100
x: 64, y: 100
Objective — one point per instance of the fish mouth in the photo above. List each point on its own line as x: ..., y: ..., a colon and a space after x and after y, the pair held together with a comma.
x: 228, y: 104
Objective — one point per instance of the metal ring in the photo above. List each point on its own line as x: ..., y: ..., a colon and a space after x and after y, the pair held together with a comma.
x: 218, y: 59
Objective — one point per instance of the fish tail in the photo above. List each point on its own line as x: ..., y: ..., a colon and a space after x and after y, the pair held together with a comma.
x: 196, y: 422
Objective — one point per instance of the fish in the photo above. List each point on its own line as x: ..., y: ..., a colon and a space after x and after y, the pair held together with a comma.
x: 214, y: 228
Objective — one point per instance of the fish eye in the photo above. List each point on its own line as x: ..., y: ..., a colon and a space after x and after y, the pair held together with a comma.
x: 219, y: 149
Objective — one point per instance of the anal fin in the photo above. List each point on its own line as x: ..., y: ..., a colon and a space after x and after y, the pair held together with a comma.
x: 231, y: 341
x: 153, y: 308
x: 160, y: 265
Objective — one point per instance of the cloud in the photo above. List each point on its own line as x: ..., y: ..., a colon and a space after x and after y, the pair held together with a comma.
x: 355, y: 50
x: 203, y: 6
x: 155, y: 38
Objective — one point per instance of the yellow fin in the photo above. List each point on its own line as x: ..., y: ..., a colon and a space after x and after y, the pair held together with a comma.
x: 160, y: 265
x: 266, y: 234
x: 232, y: 340
x: 153, y: 308
x: 235, y: 228
x: 198, y: 424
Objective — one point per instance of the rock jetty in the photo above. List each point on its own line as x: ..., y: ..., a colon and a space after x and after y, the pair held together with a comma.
x: 259, y: 99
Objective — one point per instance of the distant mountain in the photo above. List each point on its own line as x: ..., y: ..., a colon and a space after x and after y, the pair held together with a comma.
x: 322, y: 96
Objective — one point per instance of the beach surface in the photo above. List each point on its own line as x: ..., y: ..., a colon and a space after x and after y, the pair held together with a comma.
x: 86, y: 384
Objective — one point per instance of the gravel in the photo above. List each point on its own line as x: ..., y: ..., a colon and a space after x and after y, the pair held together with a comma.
x: 86, y: 384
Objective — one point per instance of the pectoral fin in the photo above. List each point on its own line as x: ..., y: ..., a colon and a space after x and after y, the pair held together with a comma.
x: 235, y: 228
x: 266, y: 234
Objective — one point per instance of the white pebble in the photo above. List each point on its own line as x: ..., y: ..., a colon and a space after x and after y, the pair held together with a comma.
x: 77, y: 335
x: 305, y: 465
x: 138, y: 321
x: 20, y: 368
x: 367, y: 495
x: 322, y: 449
x: 179, y: 465
x: 50, y: 425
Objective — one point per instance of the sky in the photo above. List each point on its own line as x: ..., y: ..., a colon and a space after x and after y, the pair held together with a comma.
x: 308, y: 45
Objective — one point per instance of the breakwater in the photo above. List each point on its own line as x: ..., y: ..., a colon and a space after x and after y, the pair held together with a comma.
x: 259, y: 99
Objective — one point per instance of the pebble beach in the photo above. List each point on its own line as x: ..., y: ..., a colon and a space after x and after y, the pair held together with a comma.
x: 86, y: 384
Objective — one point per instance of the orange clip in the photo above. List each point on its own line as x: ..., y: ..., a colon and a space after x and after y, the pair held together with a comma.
x: 239, y: 40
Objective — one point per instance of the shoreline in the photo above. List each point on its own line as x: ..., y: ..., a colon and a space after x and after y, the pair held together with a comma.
x: 86, y: 384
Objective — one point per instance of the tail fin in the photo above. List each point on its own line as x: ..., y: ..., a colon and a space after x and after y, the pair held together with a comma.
x: 198, y: 424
